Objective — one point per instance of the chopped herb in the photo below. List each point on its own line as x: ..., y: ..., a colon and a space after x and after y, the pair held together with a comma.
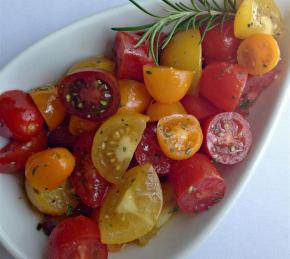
x: 39, y: 227
x: 213, y: 161
x: 133, y: 180
x: 122, y: 119
x: 245, y: 104
x: 104, y: 102
x: 183, y: 126
x: 31, y: 127
x: 110, y: 225
x: 188, y: 151
x: 167, y: 134
x: 148, y: 72
x: 175, y: 209
x: 234, y: 97
x: 101, y: 132
x: 36, y: 191
x: 34, y: 169
x: 69, y: 209
x: 217, y: 200
x: 124, y: 149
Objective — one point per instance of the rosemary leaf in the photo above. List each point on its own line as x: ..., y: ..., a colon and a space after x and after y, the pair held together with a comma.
x: 143, y: 9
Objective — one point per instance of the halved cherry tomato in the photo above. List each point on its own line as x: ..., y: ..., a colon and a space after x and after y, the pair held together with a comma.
x: 48, y: 103
x: 156, y: 110
x: 227, y: 138
x: 134, y: 96
x: 115, y: 143
x: 19, y: 118
x: 99, y: 62
x: 179, y: 136
x: 259, y: 54
x: 197, y: 184
x: 222, y: 84
x: 220, y: 45
x: 149, y: 151
x: 131, y: 208
x: 48, y: 169
x: 199, y: 107
x: 79, y: 125
x: 184, y: 52
x: 89, y: 185
x: 130, y: 60
x: 76, y: 238
x: 92, y: 95
x: 52, y: 202
x: 14, y: 155
x: 166, y: 84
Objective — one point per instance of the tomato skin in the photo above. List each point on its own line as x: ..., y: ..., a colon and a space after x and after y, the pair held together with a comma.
x: 130, y: 60
x: 14, y: 155
x: 79, y: 125
x: 227, y: 138
x: 199, y: 107
x: 19, y: 118
x: 222, y: 84
x: 220, y: 45
x: 89, y: 185
x: 149, y: 151
x: 76, y: 238
x: 197, y: 183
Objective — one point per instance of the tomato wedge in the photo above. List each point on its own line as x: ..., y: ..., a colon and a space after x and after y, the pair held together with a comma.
x: 115, y: 143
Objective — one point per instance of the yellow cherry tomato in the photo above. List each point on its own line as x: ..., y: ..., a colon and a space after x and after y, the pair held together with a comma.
x: 115, y: 143
x: 167, y: 84
x: 94, y: 62
x: 179, y: 136
x: 54, y: 202
x: 79, y: 125
x: 259, y: 54
x: 131, y: 208
x: 134, y: 96
x: 48, y: 169
x: 184, y: 52
x: 48, y: 103
x: 257, y: 16
x: 156, y: 110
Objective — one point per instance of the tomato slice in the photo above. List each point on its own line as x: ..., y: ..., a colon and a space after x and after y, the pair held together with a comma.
x: 76, y: 238
x: 179, y: 136
x: 89, y: 185
x: 149, y: 151
x: 131, y: 209
x: 92, y: 95
x: 197, y: 184
x: 115, y: 143
x: 14, y: 155
x: 227, y: 137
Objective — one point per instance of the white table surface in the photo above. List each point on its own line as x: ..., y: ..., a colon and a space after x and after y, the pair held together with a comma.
x: 258, y: 226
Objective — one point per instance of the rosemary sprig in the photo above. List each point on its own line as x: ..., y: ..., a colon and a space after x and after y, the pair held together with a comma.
x: 180, y: 16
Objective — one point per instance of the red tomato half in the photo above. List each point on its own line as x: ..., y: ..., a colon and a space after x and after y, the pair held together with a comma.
x: 227, y: 137
x: 197, y: 183
x: 89, y: 185
x: 220, y: 45
x: 14, y: 155
x: 130, y: 60
x: 222, y: 84
x: 92, y: 95
x: 149, y: 151
x: 76, y: 238
x: 19, y: 117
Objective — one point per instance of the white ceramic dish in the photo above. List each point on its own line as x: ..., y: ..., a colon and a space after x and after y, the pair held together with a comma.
x: 47, y: 60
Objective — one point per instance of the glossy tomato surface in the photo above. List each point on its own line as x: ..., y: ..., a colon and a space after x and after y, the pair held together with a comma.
x: 197, y: 184
x: 19, y: 117
x: 76, y: 238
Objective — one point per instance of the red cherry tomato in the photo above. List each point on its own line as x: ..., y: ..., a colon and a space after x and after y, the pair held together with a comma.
x: 197, y: 183
x: 76, y: 238
x: 222, y: 84
x: 149, y: 151
x: 13, y: 156
x: 220, y: 45
x: 92, y: 95
x: 198, y: 106
x: 19, y: 117
x: 130, y: 60
x: 89, y: 185
x: 227, y: 137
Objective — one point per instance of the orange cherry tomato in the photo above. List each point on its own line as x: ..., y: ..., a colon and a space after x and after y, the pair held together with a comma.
x: 259, y: 54
x: 156, y: 110
x: 79, y: 125
x: 48, y: 169
x: 48, y: 103
x: 167, y: 84
x: 134, y: 96
x: 179, y: 136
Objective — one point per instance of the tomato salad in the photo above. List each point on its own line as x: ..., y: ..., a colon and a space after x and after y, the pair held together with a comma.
x: 113, y: 149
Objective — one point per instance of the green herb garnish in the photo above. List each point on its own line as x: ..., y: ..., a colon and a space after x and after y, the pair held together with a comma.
x: 69, y: 210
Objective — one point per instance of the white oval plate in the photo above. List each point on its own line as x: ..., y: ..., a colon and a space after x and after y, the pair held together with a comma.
x: 47, y: 60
